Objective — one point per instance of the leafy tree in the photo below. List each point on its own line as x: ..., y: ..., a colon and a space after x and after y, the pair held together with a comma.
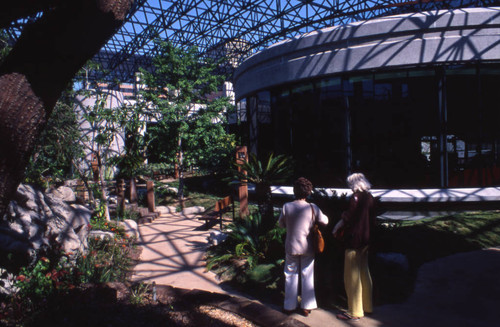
x: 4, y: 45
x: 189, y: 127
x: 98, y: 136
x: 58, y: 148
x: 132, y: 120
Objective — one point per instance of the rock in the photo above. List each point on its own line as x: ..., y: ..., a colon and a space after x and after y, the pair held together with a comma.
x: 130, y: 227
x: 144, y: 220
x: 34, y: 218
x: 72, y: 183
x: 193, y: 210
x: 63, y: 192
x: 166, y: 210
x: 101, y: 234
x: 216, y: 237
x: 7, y: 282
x: 170, y: 189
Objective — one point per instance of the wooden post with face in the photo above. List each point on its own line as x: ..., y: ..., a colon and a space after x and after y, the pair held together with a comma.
x: 242, y: 156
x: 120, y: 190
x: 133, y: 191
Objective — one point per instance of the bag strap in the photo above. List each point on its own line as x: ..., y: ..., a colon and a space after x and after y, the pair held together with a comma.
x: 313, y: 215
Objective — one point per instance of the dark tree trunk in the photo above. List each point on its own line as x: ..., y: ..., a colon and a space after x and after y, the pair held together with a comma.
x: 39, y: 67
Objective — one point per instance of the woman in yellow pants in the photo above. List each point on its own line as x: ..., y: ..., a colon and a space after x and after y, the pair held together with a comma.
x: 357, y: 223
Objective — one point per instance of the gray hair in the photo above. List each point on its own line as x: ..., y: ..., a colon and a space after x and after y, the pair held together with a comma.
x: 358, y: 182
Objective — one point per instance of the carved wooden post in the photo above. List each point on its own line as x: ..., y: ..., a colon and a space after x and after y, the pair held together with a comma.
x: 150, y: 185
x: 241, y: 156
x: 133, y: 192
x: 95, y: 168
x: 120, y: 191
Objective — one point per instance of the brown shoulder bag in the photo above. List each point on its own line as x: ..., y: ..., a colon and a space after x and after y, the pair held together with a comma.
x: 317, y: 237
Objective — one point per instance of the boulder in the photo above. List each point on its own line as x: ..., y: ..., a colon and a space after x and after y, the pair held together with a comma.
x: 166, y: 209
x: 216, y: 237
x: 34, y: 219
x: 130, y: 227
x: 101, y: 234
x: 193, y: 210
x: 65, y: 193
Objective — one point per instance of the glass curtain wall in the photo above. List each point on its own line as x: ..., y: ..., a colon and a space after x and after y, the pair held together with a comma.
x: 416, y: 128
x: 473, y: 132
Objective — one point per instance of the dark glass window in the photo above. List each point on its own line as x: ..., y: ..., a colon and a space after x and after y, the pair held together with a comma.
x: 332, y: 130
x: 400, y: 128
x: 473, y: 115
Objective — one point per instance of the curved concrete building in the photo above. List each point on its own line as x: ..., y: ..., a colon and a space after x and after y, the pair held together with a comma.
x: 411, y: 100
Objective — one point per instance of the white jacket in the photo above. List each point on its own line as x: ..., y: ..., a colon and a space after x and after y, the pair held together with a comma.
x: 296, y: 217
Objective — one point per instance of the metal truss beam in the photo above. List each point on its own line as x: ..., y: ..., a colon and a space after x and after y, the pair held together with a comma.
x: 248, y: 25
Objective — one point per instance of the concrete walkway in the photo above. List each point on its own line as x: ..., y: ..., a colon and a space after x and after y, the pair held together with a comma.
x: 460, y: 290
x: 173, y: 249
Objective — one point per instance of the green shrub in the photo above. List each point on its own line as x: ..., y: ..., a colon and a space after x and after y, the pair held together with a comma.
x: 106, y: 260
x: 44, y: 278
x: 128, y: 214
x: 138, y: 293
x: 249, y: 254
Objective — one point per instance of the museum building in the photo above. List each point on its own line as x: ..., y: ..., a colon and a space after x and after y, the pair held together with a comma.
x: 411, y: 100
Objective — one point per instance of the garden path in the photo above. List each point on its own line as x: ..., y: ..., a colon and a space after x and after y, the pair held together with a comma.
x: 173, y: 249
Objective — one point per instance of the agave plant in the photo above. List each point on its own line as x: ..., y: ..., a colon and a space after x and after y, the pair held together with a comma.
x: 273, y: 170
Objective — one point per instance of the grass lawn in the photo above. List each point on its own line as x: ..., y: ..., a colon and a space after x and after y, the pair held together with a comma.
x: 427, y: 240
x: 201, y: 191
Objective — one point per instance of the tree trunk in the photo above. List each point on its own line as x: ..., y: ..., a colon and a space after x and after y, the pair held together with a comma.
x: 181, y: 174
x: 39, y: 67
x: 104, y: 192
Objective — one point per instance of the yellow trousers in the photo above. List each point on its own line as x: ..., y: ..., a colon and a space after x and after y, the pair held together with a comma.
x: 358, y: 282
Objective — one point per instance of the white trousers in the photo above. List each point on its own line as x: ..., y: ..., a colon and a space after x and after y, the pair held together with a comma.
x: 304, y: 264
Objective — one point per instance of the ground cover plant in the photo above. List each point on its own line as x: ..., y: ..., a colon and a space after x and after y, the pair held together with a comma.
x: 251, y: 258
x: 165, y: 197
x: 427, y: 240
x: 54, y: 273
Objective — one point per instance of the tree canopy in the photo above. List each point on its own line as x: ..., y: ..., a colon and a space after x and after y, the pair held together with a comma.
x: 189, y: 118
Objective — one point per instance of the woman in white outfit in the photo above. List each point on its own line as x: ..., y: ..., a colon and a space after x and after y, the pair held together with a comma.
x: 297, y: 217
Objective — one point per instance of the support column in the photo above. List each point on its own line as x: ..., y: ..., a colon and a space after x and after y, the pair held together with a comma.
x: 252, y: 111
x: 442, y: 138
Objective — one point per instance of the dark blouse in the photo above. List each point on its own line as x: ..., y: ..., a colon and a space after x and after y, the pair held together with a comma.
x: 359, y: 220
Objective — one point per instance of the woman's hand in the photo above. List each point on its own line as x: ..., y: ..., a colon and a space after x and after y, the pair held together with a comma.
x: 339, y: 225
